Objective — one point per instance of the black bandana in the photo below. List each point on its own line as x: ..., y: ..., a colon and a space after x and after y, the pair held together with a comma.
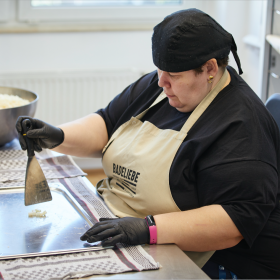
x: 186, y: 39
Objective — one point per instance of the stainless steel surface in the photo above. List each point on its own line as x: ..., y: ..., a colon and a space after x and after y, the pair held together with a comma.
x: 9, y: 116
x: 36, y: 186
x: 22, y: 236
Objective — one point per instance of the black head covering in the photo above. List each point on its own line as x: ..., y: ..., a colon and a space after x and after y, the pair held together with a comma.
x: 186, y: 39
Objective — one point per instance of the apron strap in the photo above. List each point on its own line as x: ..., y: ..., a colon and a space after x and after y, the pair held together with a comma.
x: 118, y: 131
x: 199, y: 110
x: 203, y: 105
x: 159, y: 98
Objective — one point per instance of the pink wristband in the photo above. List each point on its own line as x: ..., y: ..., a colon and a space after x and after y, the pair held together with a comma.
x: 153, y: 230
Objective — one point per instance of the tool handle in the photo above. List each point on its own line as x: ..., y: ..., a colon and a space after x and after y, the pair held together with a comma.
x: 27, y: 125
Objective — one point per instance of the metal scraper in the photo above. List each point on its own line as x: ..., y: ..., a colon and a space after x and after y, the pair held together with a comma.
x: 36, y: 186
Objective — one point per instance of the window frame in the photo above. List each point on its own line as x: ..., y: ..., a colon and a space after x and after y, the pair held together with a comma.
x: 141, y: 15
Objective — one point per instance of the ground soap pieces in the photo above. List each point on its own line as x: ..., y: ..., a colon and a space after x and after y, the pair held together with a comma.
x: 11, y: 101
x: 37, y: 213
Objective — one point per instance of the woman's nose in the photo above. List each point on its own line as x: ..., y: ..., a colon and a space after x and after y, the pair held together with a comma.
x: 163, y: 79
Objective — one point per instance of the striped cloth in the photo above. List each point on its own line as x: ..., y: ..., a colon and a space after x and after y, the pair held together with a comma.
x: 13, y: 163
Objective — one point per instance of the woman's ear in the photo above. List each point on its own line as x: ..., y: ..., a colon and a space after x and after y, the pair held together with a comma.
x: 211, y: 67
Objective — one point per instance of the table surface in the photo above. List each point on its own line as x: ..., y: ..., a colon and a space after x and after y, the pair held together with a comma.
x: 175, y: 264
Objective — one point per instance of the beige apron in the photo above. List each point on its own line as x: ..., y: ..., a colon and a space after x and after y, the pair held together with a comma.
x: 137, y: 161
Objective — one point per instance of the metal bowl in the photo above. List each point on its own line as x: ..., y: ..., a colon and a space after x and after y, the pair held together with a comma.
x: 8, y: 117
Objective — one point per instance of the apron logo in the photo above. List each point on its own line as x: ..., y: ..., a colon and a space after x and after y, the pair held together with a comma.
x: 129, y: 180
x: 126, y: 173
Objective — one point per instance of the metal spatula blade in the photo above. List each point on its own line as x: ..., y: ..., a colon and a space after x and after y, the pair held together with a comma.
x: 36, y: 186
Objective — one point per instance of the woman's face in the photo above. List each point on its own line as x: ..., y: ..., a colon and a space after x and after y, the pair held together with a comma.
x: 185, y: 90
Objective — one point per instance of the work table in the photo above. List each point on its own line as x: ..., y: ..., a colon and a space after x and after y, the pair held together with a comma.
x: 175, y: 264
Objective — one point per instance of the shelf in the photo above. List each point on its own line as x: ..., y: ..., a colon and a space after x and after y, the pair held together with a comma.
x: 274, y: 41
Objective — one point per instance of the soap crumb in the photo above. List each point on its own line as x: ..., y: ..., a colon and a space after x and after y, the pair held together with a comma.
x: 37, y: 213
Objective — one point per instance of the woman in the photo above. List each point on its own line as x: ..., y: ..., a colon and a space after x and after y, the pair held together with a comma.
x: 191, y: 155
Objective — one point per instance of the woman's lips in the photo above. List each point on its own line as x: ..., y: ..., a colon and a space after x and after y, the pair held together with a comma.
x: 169, y: 95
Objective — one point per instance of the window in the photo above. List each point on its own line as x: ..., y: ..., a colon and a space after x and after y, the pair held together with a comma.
x: 105, y: 12
x: 96, y: 3
x: 4, y: 13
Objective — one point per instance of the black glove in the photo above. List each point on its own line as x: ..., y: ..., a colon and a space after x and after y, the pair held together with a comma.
x: 43, y: 134
x: 128, y: 230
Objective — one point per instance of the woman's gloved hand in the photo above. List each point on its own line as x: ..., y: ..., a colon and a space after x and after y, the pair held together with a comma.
x: 43, y: 134
x: 128, y: 230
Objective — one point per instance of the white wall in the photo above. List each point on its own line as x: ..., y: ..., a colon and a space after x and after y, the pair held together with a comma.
x: 29, y: 52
